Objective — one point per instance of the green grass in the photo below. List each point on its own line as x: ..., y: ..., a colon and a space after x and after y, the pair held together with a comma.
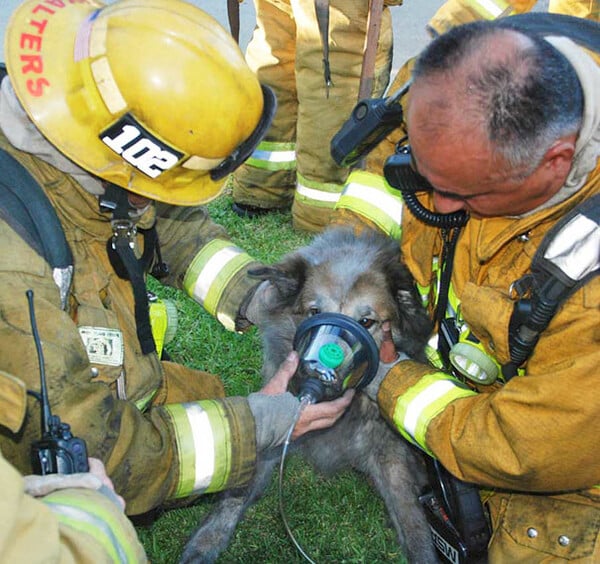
x: 335, y: 519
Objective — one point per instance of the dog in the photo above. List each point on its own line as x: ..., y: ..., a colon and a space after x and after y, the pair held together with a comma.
x: 360, y: 276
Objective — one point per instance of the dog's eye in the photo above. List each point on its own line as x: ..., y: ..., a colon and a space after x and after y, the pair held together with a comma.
x: 314, y: 310
x: 366, y: 322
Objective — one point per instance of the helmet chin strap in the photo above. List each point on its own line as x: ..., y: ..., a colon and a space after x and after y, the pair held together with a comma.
x: 120, y: 248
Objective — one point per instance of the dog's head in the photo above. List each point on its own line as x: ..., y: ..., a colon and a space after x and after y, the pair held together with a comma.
x: 361, y: 276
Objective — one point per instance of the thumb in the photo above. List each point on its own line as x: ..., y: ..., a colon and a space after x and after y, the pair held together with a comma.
x: 387, y: 350
x: 278, y: 384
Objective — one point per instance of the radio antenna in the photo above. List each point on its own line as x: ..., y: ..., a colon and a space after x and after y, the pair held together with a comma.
x: 45, y: 403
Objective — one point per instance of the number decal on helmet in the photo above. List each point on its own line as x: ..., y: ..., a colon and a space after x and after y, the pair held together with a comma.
x: 139, y: 147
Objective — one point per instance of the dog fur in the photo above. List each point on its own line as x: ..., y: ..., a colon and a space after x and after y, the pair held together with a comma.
x: 362, y: 277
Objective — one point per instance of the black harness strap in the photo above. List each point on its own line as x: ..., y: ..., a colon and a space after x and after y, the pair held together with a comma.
x: 583, y: 31
x: 124, y: 261
x: 26, y: 208
x: 322, y: 11
x: 555, y: 275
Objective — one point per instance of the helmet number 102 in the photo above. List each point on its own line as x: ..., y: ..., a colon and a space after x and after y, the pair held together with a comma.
x: 139, y: 148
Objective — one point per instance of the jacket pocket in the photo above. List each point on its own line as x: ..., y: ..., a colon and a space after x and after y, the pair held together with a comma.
x: 563, y: 527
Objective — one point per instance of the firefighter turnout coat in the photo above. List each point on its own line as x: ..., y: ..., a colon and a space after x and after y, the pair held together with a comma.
x: 290, y: 52
x: 365, y: 192
x: 160, y: 428
x: 67, y: 526
x: 531, y: 443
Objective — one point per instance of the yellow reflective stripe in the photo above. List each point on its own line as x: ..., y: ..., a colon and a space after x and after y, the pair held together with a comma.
x: 318, y: 194
x: 211, y: 270
x: 489, y: 9
x: 368, y: 195
x: 453, y: 308
x: 421, y: 403
x: 158, y: 324
x: 93, y: 520
x: 271, y: 155
x: 424, y: 292
x: 432, y: 354
x: 203, y: 446
x: 142, y: 403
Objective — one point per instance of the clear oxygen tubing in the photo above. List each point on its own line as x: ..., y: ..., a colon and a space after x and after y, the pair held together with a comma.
x: 305, y: 400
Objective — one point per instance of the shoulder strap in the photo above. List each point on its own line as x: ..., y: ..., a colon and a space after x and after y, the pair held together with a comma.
x: 367, y: 74
x: 233, y: 15
x: 26, y: 208
x: 322, y: 13
x: 583, y: 31
x: 568, y: 258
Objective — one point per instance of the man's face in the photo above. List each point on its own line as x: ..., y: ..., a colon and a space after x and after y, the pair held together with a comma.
x: 453, y: 153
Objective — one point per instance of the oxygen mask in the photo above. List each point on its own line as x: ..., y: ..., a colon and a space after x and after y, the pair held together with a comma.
x: 336, y: 353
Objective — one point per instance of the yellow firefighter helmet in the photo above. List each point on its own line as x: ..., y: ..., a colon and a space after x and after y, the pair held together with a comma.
x: 151, y: 95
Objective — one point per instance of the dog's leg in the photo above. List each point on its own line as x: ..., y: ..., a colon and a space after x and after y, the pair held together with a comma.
x: 397, y: 474
x: 216, y: 531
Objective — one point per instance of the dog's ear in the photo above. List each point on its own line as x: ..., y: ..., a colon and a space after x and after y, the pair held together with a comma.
x: 414, y: 323
x: 288, y: 276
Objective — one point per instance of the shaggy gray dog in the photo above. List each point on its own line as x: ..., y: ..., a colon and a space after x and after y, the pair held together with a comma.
x: 363, y: 278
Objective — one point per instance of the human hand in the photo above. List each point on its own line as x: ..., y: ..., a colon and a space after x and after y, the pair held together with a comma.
x: 314, y: 416
x: 322, y: 415
x: 275, y: 409
x: 388, y: 357
x: 95, y: 479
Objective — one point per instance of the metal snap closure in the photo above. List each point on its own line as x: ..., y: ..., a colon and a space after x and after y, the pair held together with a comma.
x: 94, y: 371
x: 564, y: 540
x: 532, y: 533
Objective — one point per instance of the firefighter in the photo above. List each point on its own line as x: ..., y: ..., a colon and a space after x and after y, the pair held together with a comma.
x: 366, y: 192
x: 128, y: 117
x: 315, y: 75
x: 43, y: 515
x: 503, y: 128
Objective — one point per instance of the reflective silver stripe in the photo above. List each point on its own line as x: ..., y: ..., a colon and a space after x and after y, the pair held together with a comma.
x: 211, y: 271
x: 418, y: 405
x: 422, y: 402
x: 493, y: 9
x: 385, y: 202
x: 274, y: 156
x: 204, y: 446
x: 317, y: 195
x: 82, y: 520
x: 575, y: 250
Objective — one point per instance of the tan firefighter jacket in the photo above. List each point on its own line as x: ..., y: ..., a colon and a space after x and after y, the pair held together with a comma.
x: 365, y: 192
x: 127, y: 406
x: 67, y: 526
x: 533, y: 441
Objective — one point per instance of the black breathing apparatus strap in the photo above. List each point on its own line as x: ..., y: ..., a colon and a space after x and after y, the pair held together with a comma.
x: 568, y: 258
x: 322, y: 13
x: 26, y: 208
x: 120, y: 248
x: 585, y: 32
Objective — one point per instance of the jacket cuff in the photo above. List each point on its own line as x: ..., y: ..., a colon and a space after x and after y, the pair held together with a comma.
x: 217, y: 279
x: 399, y: 379
x: 215, y: 444
x: 414, y: 394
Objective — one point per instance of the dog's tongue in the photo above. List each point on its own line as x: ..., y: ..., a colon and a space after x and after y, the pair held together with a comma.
x: 387, y: 351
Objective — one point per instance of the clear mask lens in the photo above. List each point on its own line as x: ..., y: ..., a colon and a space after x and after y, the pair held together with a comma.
x: 335, y: 351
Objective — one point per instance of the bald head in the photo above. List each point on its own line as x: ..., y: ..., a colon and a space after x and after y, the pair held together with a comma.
x: 518, y: 92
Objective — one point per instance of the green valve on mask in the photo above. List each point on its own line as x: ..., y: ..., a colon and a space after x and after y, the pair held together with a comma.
x: 331, y: 355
